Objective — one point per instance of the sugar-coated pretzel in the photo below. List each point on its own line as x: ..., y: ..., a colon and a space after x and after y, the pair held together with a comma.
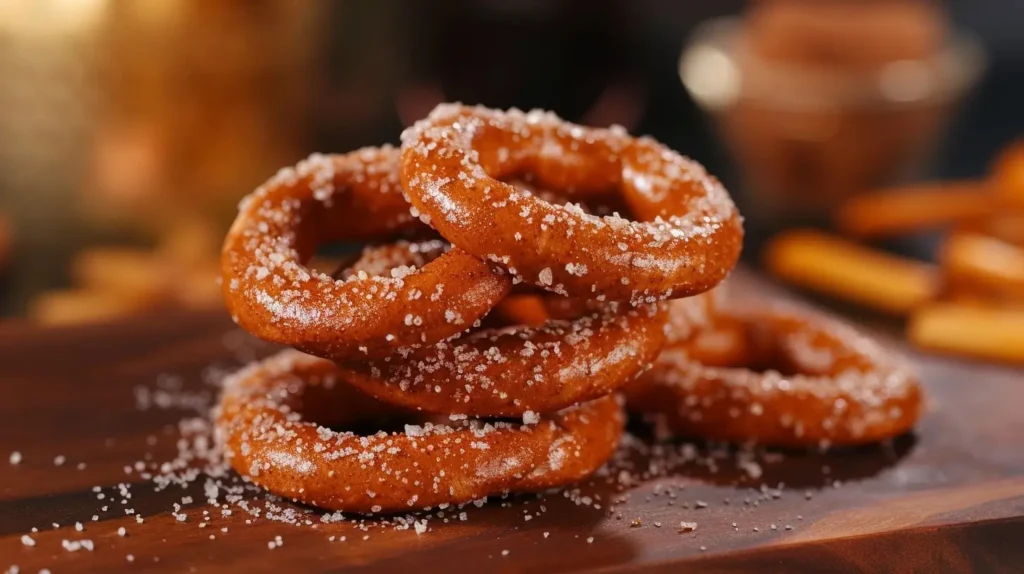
x: 770, y: 374
x: 687, y: 237
x: 519, y: 370
x: 391, y: 259
x: 683, y: 316
x: 691, y: 315
x: 263, y: 428
x: 532, y: 308
x: 272, y: 294
x: 521, y: 309
x: 514, y: 370
x: 590, y: 434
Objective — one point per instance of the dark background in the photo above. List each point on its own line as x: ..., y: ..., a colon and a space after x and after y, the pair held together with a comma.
x: 366, y: 69
x: 564, y: 54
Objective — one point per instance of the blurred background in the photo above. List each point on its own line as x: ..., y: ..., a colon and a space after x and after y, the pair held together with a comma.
x: 130, y: 129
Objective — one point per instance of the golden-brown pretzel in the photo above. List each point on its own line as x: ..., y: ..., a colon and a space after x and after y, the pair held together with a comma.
x: 521, y: 309
x: 510, y: 371
x: 688, y: 236
x: 262, y: 426
x: 517, y: 370
x: 272, y: 294
x: 770, y: 374
x: 683, y: 316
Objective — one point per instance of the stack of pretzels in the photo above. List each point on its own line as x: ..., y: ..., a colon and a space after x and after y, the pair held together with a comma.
x: 502, y: 311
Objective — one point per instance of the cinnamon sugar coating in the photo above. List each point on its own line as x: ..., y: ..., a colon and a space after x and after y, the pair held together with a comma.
x: 272, y: 294
x: 687, y: 236
x: 767, y: 373
x: 262, y: 425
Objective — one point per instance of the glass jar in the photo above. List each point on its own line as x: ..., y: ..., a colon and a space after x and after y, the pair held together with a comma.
x: 806, y: 137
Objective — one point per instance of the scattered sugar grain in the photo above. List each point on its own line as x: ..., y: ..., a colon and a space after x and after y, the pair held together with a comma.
x: 688, y: 526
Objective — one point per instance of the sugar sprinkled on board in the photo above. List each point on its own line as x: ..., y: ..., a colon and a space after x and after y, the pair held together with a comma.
x: 76, y: 545
x: 196, y: 449
x: 687, y: 527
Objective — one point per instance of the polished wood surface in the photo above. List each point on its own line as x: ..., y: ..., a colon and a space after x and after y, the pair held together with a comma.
x: 948, y: 498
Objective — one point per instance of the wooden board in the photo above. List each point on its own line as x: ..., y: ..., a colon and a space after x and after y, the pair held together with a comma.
x: 949, y: 498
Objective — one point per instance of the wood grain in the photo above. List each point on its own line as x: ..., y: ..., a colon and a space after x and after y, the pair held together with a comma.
x: 948, y: 498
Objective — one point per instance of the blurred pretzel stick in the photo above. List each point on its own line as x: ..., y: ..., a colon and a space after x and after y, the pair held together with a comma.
x: 906, y: 210
x: 190, y: 243
x: 985, y: 264
x: 119, y: 270
x: 1008, y: 175
x: 967, y: 329
x: 913, y: 208
x: 199, y: 287
x: 848, y: 271
x: 75, y: 306
x: 1008, y: 227
x: 181, y: 272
